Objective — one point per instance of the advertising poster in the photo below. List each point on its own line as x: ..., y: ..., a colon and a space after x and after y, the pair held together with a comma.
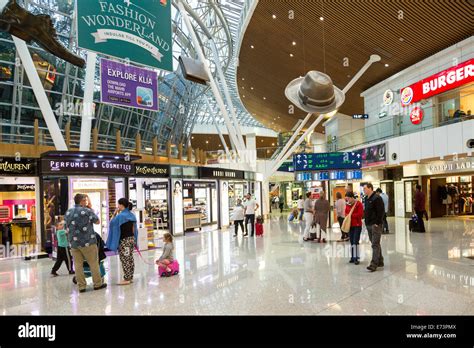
x: 178, y: 217
x: 138, y: 31
x: 127, y: 85
x: 374, y: 155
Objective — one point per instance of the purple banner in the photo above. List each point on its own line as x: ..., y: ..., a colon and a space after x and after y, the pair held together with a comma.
x: 128, y: 85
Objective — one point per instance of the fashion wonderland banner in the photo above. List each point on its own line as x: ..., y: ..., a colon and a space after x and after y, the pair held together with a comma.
x: 127, y: 85
x: 138, y: 30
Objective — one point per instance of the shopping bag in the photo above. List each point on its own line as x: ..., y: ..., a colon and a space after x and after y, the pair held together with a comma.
x: 313, y: 232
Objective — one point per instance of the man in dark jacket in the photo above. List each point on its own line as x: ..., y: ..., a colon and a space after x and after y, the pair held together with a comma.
x: 420, y: 201
x: 373, y: 214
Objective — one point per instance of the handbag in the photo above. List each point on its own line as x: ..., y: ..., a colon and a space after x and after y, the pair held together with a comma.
x: 346, y: 224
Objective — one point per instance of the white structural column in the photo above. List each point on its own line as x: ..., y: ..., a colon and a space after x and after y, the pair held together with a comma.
x: 251, y: 152
x: 88, y: 103
x: 40, y: 94
x: 292, y: 139
x: 226, y: 149
x: 227, y: 95
x: 212, y: 82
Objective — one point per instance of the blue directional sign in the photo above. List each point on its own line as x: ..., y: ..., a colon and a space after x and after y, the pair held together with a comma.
x: 327, y: 161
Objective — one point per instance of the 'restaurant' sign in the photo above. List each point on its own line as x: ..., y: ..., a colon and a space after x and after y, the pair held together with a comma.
x: 443, y: 81
x: 24, y: 166
x: 155, y: 170
x: 86, y: 166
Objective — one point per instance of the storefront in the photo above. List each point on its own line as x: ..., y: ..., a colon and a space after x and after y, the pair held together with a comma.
x: 20, y: 221
x: 448, y: 186
x: 150, y: 194
x: 103, y: 177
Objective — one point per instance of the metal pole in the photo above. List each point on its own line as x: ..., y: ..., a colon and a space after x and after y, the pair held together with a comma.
x: 40, y: 94
x: 212, y: 82
x: 293, y: 137
x: 293, y: 148
x: 373, y: 58
x: 88, y: 103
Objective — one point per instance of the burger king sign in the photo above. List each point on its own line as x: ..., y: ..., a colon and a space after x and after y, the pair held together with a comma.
x: 406, y: 96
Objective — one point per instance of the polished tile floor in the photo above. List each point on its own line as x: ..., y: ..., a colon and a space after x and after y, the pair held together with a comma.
x: 277, y: 274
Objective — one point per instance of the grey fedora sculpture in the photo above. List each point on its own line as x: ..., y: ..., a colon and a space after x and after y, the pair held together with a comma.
x: 315, y: 93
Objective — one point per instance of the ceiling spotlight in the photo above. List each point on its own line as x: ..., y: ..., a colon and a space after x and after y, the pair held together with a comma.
x: 243, y: 87
x: 321, y: 18
x: 243, y: 79
x: 291, y: 54
x: 264, y: 98
x: 386, y: 65
x: 207, y: 141
x: 243, y: 96
x: 251, y: 46
x: 294, y: 43
x: 192, y: 137
x: 402, y: 39
x: 251, y: 88
x: 274, y: 17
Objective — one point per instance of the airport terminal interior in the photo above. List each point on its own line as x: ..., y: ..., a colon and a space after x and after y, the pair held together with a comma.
x: 239, y: 157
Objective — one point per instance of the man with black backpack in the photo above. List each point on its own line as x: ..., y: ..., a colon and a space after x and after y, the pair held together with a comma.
x: 374, y: 213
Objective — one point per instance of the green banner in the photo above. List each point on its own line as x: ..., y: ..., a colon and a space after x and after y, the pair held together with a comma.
x: 134, y: 30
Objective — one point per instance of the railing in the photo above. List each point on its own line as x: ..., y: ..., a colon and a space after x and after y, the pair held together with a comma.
x: 384, y: 130
x: 36, y: 135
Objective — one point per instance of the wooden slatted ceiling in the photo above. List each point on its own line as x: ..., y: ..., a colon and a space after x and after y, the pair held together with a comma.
x: 352, y: 28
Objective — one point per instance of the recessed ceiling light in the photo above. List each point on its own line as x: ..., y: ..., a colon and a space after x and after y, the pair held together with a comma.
x: 243, y: 79
x: 321, y: 18
x: 243, y: 87
x: 294, y: 43
x: 251, y: 88
x: 243, y: 96
x: 264, y: 98
x: 402, y: 39
x: 386, y: 65
x: 251, y: 46
x: 192, y: 137
x: 291, y: 54
x: 207, y: 142
x: 274, y: 17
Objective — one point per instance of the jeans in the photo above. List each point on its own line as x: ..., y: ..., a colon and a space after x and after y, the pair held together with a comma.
x: 385, y: 222
x: 354, y: 236
x: 375, y: 234
x: 251, y: 218
x: 236, y: 224
x: 300, y: 217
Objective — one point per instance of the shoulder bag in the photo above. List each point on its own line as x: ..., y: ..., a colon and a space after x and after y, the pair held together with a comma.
x: 346, y: 224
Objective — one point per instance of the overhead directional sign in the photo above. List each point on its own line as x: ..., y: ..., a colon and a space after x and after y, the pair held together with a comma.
x: 327, y: 161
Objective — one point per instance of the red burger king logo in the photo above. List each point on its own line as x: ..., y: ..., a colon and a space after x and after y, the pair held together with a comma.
x: 416, y: 115
x: 406, y: 95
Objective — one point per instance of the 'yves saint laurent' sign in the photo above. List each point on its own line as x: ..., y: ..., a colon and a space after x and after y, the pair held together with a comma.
x: 17, y: 188
x: 10, y: 166
x: 154, y: 170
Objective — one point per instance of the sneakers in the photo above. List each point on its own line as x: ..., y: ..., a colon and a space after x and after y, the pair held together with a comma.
x: 103, y: 286
x: 352, y: 261
x: 72, y: 272
x: 356, y: 262
x: 381, y: 264
x: 54, y: 274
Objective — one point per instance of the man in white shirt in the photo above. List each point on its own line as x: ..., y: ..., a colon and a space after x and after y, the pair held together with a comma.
x: 308, y: 216
x: 250, y: 207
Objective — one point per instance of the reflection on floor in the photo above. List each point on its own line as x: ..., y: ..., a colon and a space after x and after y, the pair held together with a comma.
x: 277, y: 274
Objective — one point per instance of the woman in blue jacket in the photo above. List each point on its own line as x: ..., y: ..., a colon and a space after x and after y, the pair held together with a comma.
x: 123, y: 233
